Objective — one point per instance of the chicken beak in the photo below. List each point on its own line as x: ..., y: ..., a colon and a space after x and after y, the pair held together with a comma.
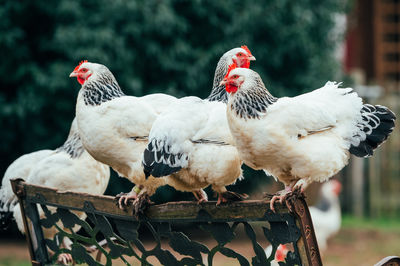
x: 252, y: 58
x: 73, y: 74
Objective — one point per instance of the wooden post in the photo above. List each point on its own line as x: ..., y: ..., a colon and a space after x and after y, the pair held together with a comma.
x: 357, y: 177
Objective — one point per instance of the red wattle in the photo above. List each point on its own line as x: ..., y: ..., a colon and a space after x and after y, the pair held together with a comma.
x: 246, y: 64
x: 231, y: 88
x: 80, y: 80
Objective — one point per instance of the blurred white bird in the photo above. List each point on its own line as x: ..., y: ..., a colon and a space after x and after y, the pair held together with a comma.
x: 68, y: 168
x: 191, y: 140
x: 280, y: 254
x: 326, y: 214
x: 20, y: 168
x: 305, y: 138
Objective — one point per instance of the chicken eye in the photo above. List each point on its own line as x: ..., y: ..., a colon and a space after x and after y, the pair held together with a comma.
x: 240, y: 54
x: 84, y: 70
x: 235, y: 76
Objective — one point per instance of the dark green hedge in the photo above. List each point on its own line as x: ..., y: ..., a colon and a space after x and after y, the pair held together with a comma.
x: 151, y: 46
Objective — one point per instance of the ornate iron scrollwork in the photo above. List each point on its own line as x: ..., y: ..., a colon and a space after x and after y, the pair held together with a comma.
x: 122, y: 233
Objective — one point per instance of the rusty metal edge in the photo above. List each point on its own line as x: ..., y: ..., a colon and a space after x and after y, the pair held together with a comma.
x: 390, y: 260
x: 300, y: 209
x: 19, y: 191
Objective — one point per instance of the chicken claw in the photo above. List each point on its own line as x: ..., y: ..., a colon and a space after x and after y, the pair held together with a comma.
x: 280, y: 196
x: 141, y: 203
x: 300, y: 186
x: 200, y: 195
x: 229, y: 196
x: 285, y: 195
x: 123, y: 199
x: 64, y: 259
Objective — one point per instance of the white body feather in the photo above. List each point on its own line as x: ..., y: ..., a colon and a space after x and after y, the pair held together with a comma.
x: 83, y: 174
x: 281, y: 142
x: 196, y: 128
x: 191, y: 140
x: 158, y: 101
x: 69, y: 168
x: 108, y: 131
x: 20, y: 168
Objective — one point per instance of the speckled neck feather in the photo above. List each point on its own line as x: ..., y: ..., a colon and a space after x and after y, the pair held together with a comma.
x: 218, y: 92
x: 101, y: 89
x: 73, y: 146
x: 251, y: 103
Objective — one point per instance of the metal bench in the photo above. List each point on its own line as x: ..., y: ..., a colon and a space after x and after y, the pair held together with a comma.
x: 172, y: 243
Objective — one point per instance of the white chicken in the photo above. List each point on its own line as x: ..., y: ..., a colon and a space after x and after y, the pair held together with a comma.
x: 191, y: 140
x: 68, y: 168
x: 114, y: 127
x: 305, y: 138
x: 20, y: 168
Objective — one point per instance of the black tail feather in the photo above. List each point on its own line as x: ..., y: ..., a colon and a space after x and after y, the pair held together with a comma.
x: 159, y: 162
x: 378, y: 123
x: 160, y: 170
x: 148, y: 161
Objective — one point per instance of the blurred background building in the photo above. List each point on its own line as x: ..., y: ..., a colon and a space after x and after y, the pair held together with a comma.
x: 372, y: 59
x: 373, y: 42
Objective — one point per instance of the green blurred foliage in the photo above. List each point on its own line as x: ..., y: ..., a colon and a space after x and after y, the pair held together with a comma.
x: 169, y: 46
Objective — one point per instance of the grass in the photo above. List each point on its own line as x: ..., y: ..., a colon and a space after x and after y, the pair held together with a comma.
x: 12, y: 261
x: 363, y: 241
x: 381, y: 224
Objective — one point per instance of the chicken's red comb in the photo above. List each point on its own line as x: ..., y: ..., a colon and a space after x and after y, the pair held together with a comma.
x: 230, y: 68
x: 280, y: 253
x: 245, y: 48
x: 80, y: 63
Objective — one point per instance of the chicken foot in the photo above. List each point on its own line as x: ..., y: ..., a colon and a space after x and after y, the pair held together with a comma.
x: 229, y: 196
x: 123, y: 199
x: 200, y: 195
x: 65, y: 258
x: 141, y: 203
x: 282, y: 196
